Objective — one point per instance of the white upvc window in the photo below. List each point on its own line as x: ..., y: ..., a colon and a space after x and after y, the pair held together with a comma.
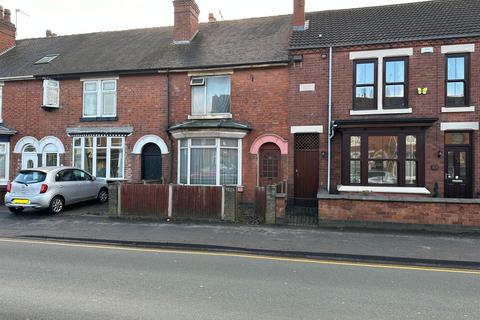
x: 4, y: 162
x: 210, y: 161
x: 103, y: 157
x: 210, y: 95
x: 50, y: 156
x: 99, y: 98
x: 51, y: 93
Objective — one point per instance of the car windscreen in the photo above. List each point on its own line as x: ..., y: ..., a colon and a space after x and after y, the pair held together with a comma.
x: 30, y: 177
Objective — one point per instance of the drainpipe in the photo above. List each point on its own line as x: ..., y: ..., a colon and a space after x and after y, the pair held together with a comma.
x: 331, y: 132
x: 170, y: 139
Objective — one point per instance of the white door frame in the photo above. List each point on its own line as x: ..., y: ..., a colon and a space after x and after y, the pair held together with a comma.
x: 27, y: 156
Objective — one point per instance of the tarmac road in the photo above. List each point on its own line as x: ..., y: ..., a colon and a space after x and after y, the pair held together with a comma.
x: 45, y: 280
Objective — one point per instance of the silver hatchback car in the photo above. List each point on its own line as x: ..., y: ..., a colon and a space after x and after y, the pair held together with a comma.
x: 52, y: 188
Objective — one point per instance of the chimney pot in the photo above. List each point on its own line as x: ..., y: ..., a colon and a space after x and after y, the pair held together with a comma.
x: 186, y: 20
x: 49, y: 33
x: 298, y: 21
x: 7, y: 15
x: 211, y: 17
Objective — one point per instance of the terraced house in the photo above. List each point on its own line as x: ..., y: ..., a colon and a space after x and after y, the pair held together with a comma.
x: 369, y: 113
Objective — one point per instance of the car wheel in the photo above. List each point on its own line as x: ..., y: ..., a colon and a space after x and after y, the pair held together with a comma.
x: 56, y: 205
x: 16, y: 210
x: 102, y: 195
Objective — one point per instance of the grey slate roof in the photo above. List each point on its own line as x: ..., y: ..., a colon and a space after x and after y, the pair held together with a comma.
x: 437, y: 19
x: 210, y: 124
x: 236, y: 42
x: 4, y: 131
x: 99, y: 131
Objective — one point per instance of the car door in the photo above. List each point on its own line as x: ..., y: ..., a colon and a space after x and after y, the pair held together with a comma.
x: 86, y: 186
x: 67, y: 186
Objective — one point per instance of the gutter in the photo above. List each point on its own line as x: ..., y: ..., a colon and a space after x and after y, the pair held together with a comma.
x: 331, y: 131
x: 17, y: 78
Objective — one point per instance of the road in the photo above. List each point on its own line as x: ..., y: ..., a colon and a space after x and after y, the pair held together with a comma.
x: 44, y: 280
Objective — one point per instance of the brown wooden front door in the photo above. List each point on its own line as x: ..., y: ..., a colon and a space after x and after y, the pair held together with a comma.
x: 306, y: 169
x: 458, y: 165
x: 270, y: 165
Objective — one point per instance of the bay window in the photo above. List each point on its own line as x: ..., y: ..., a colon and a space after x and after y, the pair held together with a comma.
x: 210, y: 161
x: 210, y: 95
x: 383, y: 159
x: 4, y: 162
x: 102, y: 157
x: 99, y: 98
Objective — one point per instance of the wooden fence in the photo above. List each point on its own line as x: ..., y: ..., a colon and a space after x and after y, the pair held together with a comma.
x: 170, y: 201
x: 144, y: 200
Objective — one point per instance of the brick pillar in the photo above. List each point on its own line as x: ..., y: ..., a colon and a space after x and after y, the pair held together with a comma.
x: 230, y: 204
x: 114, y: 200
x: 270, y: 212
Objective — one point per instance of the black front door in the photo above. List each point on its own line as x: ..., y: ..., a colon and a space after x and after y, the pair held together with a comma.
x: 458, y: 174
x: 151, y: 162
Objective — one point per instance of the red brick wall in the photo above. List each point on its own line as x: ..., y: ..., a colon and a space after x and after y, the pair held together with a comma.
x: 462, y: 214
x: 259, y: 98
x: 309, y: 108
x: 425, y: 70
x: 141, y: 103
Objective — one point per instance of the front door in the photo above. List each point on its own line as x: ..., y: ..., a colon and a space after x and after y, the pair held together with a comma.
x: 151, y: 162
x: 458, y: 176
x: 306, y: 169
x: 29, y: 160
x: 270, y: 165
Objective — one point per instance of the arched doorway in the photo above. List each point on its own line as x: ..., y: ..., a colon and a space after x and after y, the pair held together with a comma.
x: 29, y: 157
x: 270, y: 164
x: 151, y: 162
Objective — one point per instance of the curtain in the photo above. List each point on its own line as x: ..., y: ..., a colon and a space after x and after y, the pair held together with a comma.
x: 198, y: 100
x: 218, y: 95
x: 203, y: 169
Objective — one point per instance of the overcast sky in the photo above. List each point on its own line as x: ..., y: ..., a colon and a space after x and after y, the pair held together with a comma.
x: 80, y: 16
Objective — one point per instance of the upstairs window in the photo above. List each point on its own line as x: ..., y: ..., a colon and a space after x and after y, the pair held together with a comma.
x: 395, y: 88
x: 51, y: 93
x: 210, y: 95
x: 457, y: 80
x: 365, y: 91
x: 99, y: 98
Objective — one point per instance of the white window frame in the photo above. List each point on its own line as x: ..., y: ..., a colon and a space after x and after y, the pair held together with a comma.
x: 49, y: 84
x: 205, y: 85
x: 100, y: 99
x: 6, y: 179
x: 380, y: 55
x: 218, y: 148
x: 94, y: 160
x: 45, y: 152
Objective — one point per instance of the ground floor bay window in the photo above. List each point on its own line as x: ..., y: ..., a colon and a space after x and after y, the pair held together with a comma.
x: 386, y: 159
x: 103, y: 157
x: 210, y: 161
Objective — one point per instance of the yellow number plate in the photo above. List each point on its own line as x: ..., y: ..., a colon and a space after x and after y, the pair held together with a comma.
x: 21, y: 201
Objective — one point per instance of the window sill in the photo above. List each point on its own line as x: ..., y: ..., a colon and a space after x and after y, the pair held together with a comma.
x: 380, y: 112
x: 458, y: 109
x: 402, y: 190
x: 49, y: 108
x: 211, y: 117
x: 98, y: 119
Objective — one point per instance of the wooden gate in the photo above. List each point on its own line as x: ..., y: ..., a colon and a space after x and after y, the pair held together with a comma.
x: 145, y: 200
x: 197, y: 202
x: 260, y: 203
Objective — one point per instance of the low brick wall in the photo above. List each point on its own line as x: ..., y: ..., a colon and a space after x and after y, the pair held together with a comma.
x: 425, y: 211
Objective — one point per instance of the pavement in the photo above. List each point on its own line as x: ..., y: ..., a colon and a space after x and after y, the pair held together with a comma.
x: 86, y: 224
x: 45, y: 280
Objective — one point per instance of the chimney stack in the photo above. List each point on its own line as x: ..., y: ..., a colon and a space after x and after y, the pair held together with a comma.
x: 298, y: 21
x: 211, y: 17
x: 186, y: 21
x: 50, y: 34
x: 7, y: 30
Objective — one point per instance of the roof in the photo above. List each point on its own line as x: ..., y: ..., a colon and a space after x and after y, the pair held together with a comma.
x: 121, y: 131
x: 4, y: 131
x: 210, y: 124
x: 436, y: 19
x: 225, y: 43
